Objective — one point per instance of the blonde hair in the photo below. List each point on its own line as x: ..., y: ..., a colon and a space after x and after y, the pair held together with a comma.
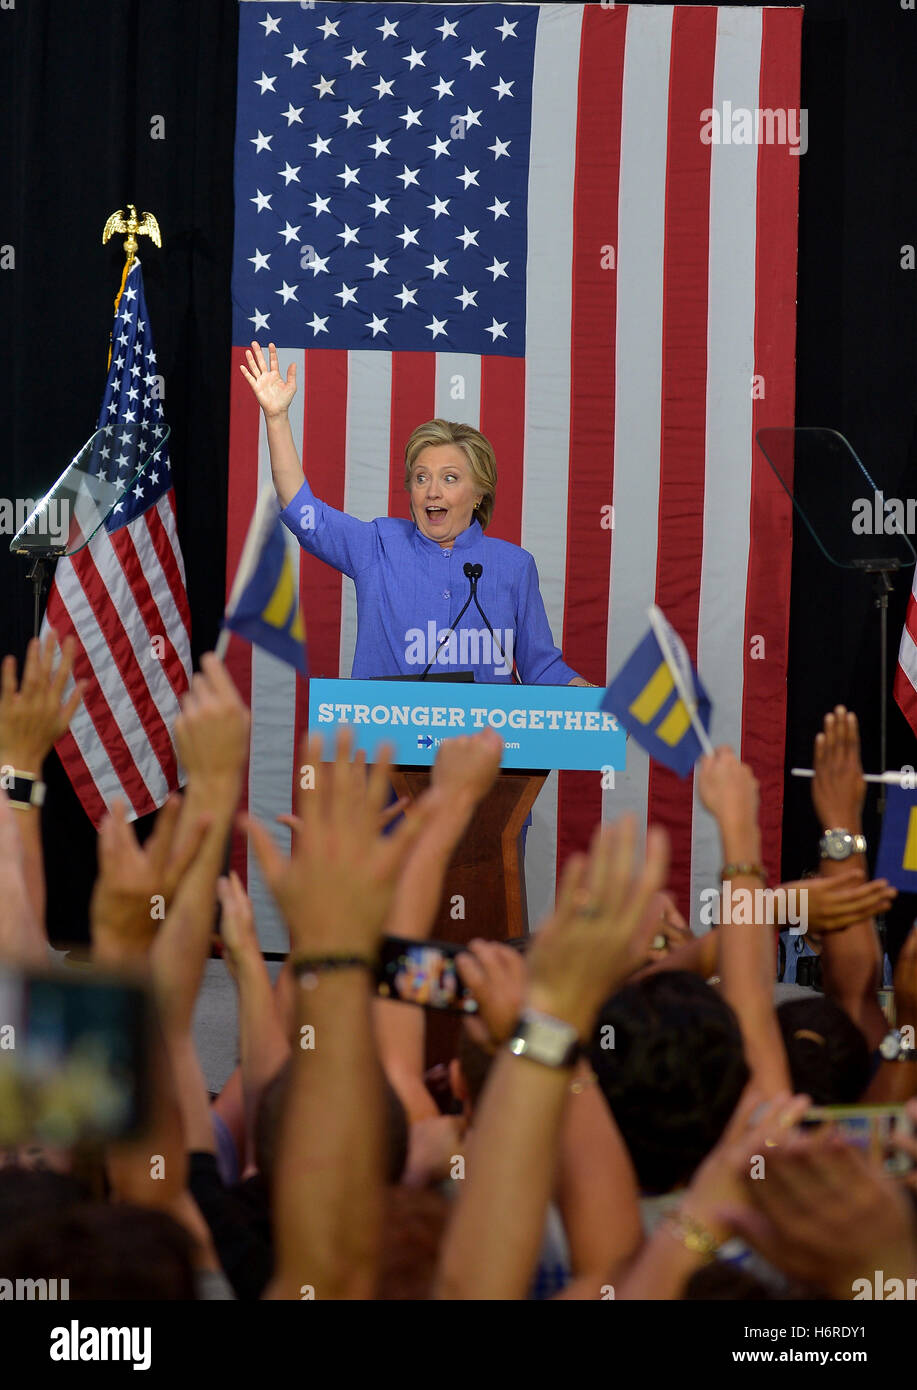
x: 477, y: 450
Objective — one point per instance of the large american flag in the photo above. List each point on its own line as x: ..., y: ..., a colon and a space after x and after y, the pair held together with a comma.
x: 123, y: 596
x: 506, y: 215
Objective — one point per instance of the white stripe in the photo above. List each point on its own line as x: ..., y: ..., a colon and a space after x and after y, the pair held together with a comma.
x: 100, y: 658
x: 458, y: 388
x: 907, y: 657
x: 169, y: 616
x: 730, y: 365
x: 547, y: 372
x: 367, y: 436
x: 105, y: 779
x: 273, y: 710
x: 638, y: 362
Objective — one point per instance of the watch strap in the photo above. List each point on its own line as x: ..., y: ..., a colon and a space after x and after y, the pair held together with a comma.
x: 542, y: 1038
x: 24, y: 790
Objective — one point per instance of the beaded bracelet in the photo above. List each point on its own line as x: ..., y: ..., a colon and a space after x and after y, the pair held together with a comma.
x: 312, y: 965
x: 743, y: 871
x: 692, y: 1235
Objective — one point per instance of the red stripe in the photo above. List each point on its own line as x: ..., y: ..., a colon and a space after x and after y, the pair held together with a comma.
x: 413, y: 404
x: 170, y: 662
x: 767, y: 595
x: 502, y: 420
x: 244, y: 421
x: 81, y: 779
x: 100, y: 713
x: 684, y: 387
x: 324, y: 454
x: 592, y: 387
x: 97, y: 591
x: 910, y: 617
x: 167, y: 555
x: 906, y: 696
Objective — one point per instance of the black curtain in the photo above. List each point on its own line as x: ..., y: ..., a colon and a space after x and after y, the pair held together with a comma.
x: 107, y: 102
x: 82, y: 86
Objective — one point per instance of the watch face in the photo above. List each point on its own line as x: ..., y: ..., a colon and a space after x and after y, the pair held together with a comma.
x: 838, y: 844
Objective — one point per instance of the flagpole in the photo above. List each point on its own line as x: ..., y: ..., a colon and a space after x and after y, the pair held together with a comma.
x: 690, y: 705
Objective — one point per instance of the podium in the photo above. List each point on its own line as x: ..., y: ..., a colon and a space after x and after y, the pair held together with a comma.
x: 486, y: 869
x: 543, y: 727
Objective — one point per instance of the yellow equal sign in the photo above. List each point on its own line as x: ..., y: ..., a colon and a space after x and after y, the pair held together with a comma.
x: 650, y: 701
x: 909, y: 860
x: 282, y: 605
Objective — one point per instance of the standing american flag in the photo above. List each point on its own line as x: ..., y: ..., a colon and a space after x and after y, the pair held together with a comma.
x: 509, y: 216
x: 123, y: 595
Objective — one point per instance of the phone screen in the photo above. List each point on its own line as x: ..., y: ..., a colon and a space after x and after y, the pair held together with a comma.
x: 424, y: 973
x: 870, y: 1127
x: 74, y: 1058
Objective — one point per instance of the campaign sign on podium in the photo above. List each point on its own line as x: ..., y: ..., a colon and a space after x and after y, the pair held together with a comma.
x: 543, y: 726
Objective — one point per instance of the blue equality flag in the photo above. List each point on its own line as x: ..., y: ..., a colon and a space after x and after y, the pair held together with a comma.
x: 264, y: 604
x: 897, y: 857
x: 649, y: 697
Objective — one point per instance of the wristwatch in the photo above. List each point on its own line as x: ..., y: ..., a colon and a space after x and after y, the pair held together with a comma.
x: 892, y: 1049
x: 23, y: 789
x: 544, y: 1039
x: 840, y: 844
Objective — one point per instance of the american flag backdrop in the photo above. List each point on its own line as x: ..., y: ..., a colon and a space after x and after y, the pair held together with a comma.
x: 123, y: 596
x: 506, y: 215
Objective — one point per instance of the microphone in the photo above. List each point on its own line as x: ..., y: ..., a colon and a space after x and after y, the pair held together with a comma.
x: 473, y: 574
x: 472, y: 579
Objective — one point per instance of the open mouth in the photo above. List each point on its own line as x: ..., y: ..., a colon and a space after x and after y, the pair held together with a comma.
x: 435, y: 513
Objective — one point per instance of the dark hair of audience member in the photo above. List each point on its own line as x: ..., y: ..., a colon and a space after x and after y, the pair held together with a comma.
x: 828, y: 1055
x: 269, y: 1116
x: 674, y: 1074
x: 721, y: 1280
x: 106, y: 1251
x: 27, y: 1194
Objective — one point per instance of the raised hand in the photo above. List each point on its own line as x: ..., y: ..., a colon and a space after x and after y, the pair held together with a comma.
x: 336, y: 887
x: 468, y: 764
x: 133, y: 877
x: 829, y: 1214
x: 833, y: 904
x: 728, y: 788
x: 670, y: 929
x: 211, y: 733
x: 495, y: 973
x: 237, y: 922
x: 272, y: 392
x: 21, y: 937
x: 34, y: 715
x: 601, y: 925
x: 838, y: 788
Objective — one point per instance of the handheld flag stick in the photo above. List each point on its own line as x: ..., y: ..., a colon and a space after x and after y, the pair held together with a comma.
x: 658, y: 625
x: 888, y: 779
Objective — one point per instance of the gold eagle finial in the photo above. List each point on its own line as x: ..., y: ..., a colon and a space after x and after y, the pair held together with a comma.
x: 146, y: 225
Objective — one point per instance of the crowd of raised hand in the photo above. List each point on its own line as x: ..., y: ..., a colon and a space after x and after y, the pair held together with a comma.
x: 666, y: 1155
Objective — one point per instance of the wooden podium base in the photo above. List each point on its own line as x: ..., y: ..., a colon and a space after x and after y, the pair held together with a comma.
x: 484, y: 888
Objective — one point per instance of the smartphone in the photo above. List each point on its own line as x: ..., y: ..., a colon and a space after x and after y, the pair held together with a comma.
x: 424, y: 973
x: 74, y: 1057
x: 870, y: 1127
